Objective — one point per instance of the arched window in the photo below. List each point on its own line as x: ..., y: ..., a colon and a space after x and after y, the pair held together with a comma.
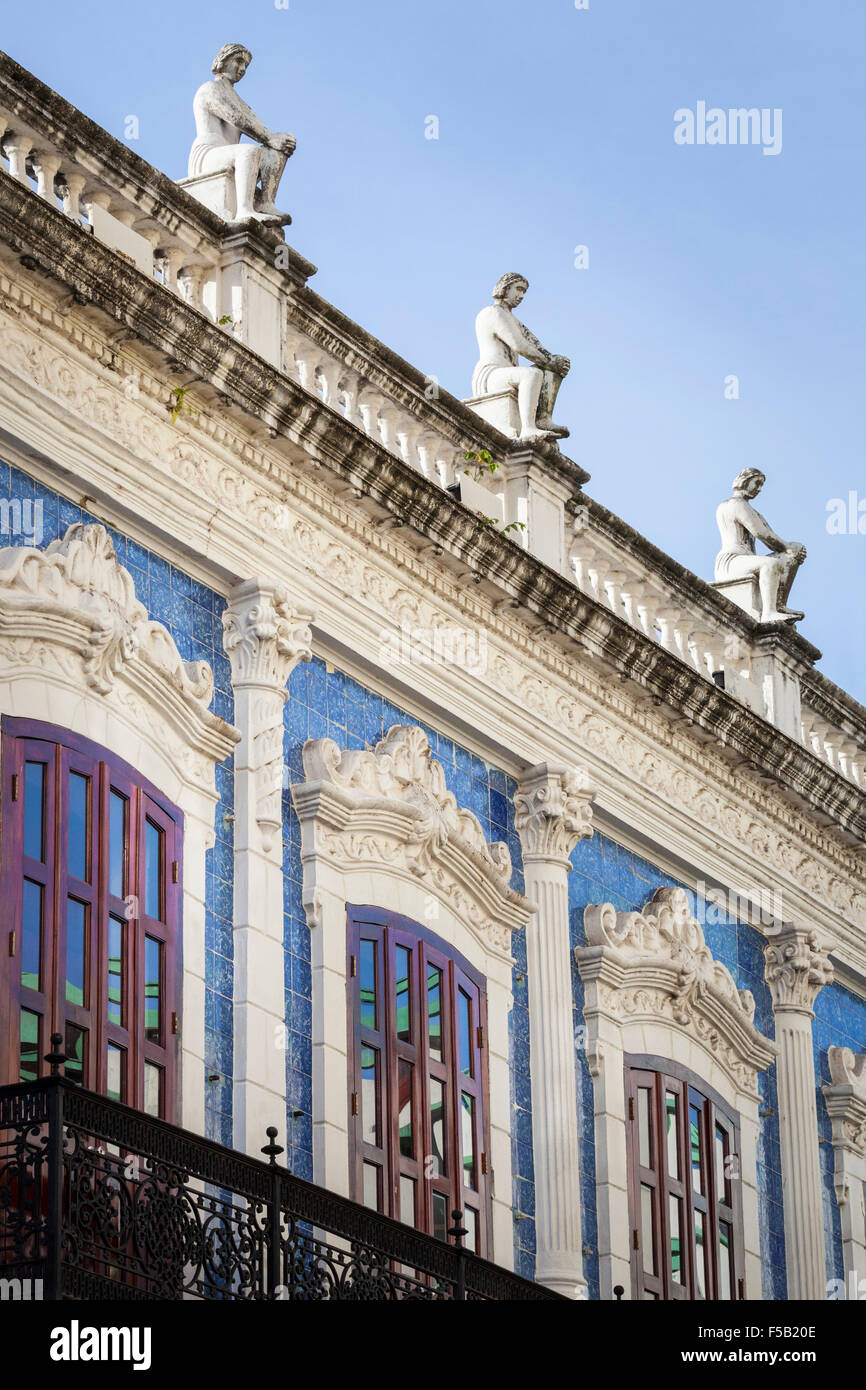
x: 90, y: 896
x: 417, y: 1077
x: 684, y: 1185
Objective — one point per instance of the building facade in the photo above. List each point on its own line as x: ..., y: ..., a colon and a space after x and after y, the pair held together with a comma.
x: 365, y: 778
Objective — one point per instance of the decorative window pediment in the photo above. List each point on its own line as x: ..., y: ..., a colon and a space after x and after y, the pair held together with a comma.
x: 656, y: 964
x: 71, y: 608
x: 392, y: 806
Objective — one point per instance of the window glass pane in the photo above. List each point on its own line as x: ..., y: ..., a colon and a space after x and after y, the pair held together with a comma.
x: 467, y: 1111
x: 153, y: 869
x: 437, y: 1125
x: 643, y: 1127
x: 369, y: 1095
x: 674, y: 1205
x: 29, y: 1065
x: 369, y: 1006
x: 465, y: 1033
x: 404, y: 1088
x: 116, y: 1001
x: 31, y: 935
x: 34, y: 810
x: 115, y: 1089
x: 696, y: 1121
x: 77, y: 842
x: 407, y: 1201
x: 646, y: 1234
x: 403, y: 964
x: 672, y: 1121
x: 152, y: 975
x: 74, y: 1049
x: 700, y: 1256
x: 116, y: 844
x: 371, y: 1186
x: 721, y: 1149
x: 470, y: 1221
x: 152, y: 1089
x: 76, y: 951
x: 724, y: 1260
x: 434, y: 1011
x: 440, y: 1216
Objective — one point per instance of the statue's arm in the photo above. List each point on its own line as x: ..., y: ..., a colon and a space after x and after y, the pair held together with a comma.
x: 528, y: 345
x: 228, y: 106
x: 760, y: 528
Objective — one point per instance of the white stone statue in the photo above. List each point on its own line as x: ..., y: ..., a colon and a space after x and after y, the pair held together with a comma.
x: 221, y: 118
x: 740, y: 526
x: 502, y: 341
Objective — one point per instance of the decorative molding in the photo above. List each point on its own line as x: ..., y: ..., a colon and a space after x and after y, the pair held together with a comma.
x: 71, y: 609
x: 391, y: 806
x: 846, y: 1100
x: 655, y: 964
x: 553, y: 811
x: 215, y: 461
x: 797, y: 967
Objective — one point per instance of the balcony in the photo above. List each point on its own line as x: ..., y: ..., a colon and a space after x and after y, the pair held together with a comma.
x: 99, y: 1201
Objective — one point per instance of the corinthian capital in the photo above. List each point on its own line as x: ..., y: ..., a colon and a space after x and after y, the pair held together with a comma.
x: 796, y: 969
x: 263, y: 636
x: 553, y: 811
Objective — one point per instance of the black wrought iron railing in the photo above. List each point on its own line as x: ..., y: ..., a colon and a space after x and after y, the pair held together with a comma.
x: 98, y: 1201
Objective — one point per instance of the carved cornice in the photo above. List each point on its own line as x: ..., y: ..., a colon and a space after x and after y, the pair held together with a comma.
x: 212, y: 459
x: 263, y: 635
x: 391, y: 808
x: 846, y: 1102
x: 553, y: 811
x: 74, y: 599
x: 654, y: 965
x: 797, y: 967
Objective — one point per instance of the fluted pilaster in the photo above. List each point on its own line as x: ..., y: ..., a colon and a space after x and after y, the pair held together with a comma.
x: 552, y: 814
x: 796, y: 970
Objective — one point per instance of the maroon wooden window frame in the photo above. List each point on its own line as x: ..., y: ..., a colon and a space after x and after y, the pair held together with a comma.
x: 91, y: 904
x: 685, y: 1206
x: 418, y: 1090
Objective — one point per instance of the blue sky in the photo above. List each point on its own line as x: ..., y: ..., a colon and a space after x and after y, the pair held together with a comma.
x: 556, y: 130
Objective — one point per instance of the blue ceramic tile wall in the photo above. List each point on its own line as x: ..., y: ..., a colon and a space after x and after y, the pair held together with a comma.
x: 840, y: 1021
x: 193, y: 614
x: 603, y: 871
x: 330, y: 704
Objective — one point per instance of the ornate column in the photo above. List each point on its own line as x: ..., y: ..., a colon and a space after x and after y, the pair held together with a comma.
x: 265, y: 639
x: 553, y: 814
x: 796, y: 969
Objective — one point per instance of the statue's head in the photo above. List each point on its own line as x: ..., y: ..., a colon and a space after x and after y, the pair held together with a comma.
x: 749, y: 482
x: 510, y: 289
x: 233, y: 60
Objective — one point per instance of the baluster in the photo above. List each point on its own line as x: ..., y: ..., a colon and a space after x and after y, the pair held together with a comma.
x: 46, y: 166
x: 16, y: 147
x: 72, y: 186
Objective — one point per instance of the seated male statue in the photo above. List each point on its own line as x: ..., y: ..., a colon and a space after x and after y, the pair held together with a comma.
x: 740, y: 527
x: 502, y: 341
x: 221, y: 118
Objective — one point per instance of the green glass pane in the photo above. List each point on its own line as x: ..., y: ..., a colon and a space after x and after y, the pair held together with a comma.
x: 405, y: 1072
x: 115, y: 970
x: 153, y: 838
x: 721, y: 1183
x: 700, y: 1257
x: 403, y: 966
x: 674, y: 1206
x: 31, y: 935
x: 152, y: 1010
x: 369, y: 1095
x: 434, y: 1012
x: 34, y: 811
x: 695, y: 1123
x: 77, y: 841
x: 74, y: 1048
x: 116, y: 844
x: 369, y: 1003
x: 465, y: 1008
x: 76, y: 920
x: 437, y: 1126
x: 29, y: 1063
x: 440, y: 1216
x: 672, y: 1121
x: 724, y: 1260
x: 467, y: 1110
